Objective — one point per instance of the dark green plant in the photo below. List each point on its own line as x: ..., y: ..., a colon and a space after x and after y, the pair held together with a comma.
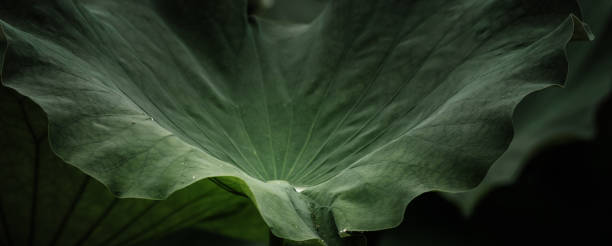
x: 45, y: 201
x: 329, y: 128
x: 556, y: 114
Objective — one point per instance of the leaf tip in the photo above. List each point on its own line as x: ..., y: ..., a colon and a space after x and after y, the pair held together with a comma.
x: 582, y: 31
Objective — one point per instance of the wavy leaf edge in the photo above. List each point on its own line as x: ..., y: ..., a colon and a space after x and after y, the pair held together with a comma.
x: 319, y: 208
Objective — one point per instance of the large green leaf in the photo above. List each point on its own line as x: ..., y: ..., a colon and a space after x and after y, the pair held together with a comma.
x: 329, y: 127
x: 557, y: 114
x: 45, y: 201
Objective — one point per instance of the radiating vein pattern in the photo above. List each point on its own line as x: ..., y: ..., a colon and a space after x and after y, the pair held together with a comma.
x: 310, y: 106
x: 365, y: 107
x: 69, y: 208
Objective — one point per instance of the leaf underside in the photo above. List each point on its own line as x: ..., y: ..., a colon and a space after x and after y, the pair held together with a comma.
x: 556, y: 114
x: 45, y: 201
x: 329, y: 128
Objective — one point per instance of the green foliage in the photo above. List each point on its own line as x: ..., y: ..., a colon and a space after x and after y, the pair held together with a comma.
x: 329, y: 128
x: 556, y: 114
x: 47, y: 202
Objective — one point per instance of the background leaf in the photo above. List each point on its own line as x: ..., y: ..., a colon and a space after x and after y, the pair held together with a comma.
x: 199, y: 237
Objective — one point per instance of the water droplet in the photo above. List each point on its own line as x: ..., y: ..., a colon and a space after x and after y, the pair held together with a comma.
x: 299, y: 189
x: 192, y: 177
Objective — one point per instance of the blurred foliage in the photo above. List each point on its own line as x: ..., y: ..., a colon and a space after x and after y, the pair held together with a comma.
x: 197, y: 237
